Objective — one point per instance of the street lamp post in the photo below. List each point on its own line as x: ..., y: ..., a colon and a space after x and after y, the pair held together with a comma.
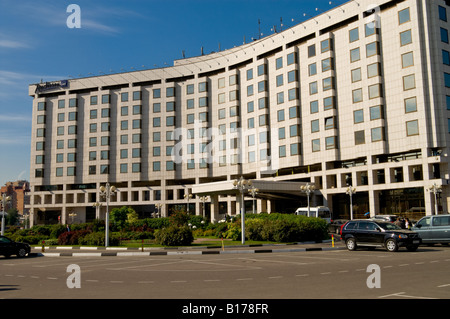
x: 350, y: 191
x: 308, y: 189
x: 97, y: 206
x: 242, y: 185
x: 254, y: 191
x: 435, y: 189
x: 5, y: 200
x: 107, y: 191
x: 188, y: 197
x: 203, y: 199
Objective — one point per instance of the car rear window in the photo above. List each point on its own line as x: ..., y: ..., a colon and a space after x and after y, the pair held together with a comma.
x: 350, y: 226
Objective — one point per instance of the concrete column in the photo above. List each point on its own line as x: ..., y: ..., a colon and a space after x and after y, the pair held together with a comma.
x: 374, y: 202
x: 214, y: 208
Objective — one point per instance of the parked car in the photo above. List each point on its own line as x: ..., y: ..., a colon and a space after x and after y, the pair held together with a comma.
x: 375, y: 233
x: 9, y: 247
x: 389, y: 218
x: 434, y: 229
x: 335, y: 226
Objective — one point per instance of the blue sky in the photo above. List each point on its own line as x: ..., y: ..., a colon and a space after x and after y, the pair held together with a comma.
x: 115, y: 36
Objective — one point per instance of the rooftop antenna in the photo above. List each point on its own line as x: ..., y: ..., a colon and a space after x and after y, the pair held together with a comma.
x: 259, y: 29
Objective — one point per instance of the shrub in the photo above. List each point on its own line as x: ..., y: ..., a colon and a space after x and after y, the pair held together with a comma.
x: 174, y: 236
x: 72, y: 237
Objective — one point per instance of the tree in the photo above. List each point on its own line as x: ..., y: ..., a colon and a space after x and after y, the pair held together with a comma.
x: 13, y: 217
x: 119, y: 216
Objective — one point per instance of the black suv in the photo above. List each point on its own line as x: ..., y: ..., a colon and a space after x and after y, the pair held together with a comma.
x: 9, y: 247
x: 371, y: 233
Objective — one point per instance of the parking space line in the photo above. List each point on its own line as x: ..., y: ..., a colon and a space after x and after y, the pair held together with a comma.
x: 402, y: 294
x: 442, y: 286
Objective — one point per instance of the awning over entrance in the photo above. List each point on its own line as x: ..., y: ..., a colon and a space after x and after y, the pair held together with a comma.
x: 267, y: 189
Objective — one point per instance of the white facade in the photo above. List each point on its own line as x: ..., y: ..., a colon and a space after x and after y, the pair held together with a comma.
x: 355, y: 96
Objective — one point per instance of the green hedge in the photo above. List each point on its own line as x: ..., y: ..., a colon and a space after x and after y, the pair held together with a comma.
x: 174, y: 236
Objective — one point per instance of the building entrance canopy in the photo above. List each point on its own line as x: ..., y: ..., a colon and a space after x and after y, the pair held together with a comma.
x: 266, y: 189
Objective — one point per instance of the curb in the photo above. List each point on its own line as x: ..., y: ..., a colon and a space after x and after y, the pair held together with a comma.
x: 173, y: 253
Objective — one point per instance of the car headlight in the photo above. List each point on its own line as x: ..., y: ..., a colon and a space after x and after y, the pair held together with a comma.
x: 403, y: 236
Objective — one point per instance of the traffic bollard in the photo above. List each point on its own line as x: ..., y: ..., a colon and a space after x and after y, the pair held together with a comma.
x: 43, y: 246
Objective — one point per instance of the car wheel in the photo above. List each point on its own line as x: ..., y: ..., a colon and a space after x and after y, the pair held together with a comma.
x: 351, y: 244
x: 391, y: 245
x: 412, y: 247
x: 21, y: 252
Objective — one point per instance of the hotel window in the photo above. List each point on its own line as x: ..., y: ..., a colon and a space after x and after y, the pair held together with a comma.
x: 61, y: 117
x: 261, y: 69
x: 94, y: 100
x: 41, y: 119
x: 412, y: 128
x: 327, y: 64
x: 328, y: 103
x: 40, y: 132
x: 251, y: 122
x: 326, y: 45
x: 156, y: 93
x: 358, y: 116
x: 405, y: 37
x: 60, y: 130
x: 156, y: 136
x: 124, y: 97
x: 234, y: 95
x: 124, y: 168
x: 137, y: 95
x: 136, y: 138
x: 249, y: 74
x: 104, y: 140
x: 123, y: 139
x: 410, y: 105
x: 445, y: 57
x: 170, y: 92
x: 73, y: 116
x: 60, y: 144
x: 279, y: 63
x: 203, y: 87
x: 73, y: 102
x: 377, y: 134
x: 315, y: 126
x: 262, y: 103
x: 311, y: 51
x: 375, y: 91
x: 106, y: 98
x: 292, y: 76
x: 221, y: 98
x: 444, y: 35
x: 157, y: 151
x: 156, y: 122
x: 191, y: 164
x: 105, y: 113
x: 373, y: 70
x: 354, y: 35
x: 39, y: 172
x: 281, y: 133
x: 370, y: 28
x: 404, y: 16
x: 263, y: 119
x: 137, y: 109
x: 376, y: 112
x: 137, y: 124
x: 291, y: 58
x: 191, y: 118
x: 313, y: 88
x: 40, y: 159
x: 356, y: 75
x: 124, y: 125
x: 234, y: 111
x: 280, y: 115
x: 156, y: 166
x: 314, y: 107
x: 279, y: 80
x: 251, y: 140
x: 233, y: 80
x: 295, y: 149
x: 93, y: 127
x: 92, y: 141
x: 407, y: 60
x: 203, y: 117
x: 409, y: 82
x: 294, y: 130
x: 372, y: 49
x: 360, y: 138
x: 170, y: 106
x: 250, y: 89
x: 357, y: 95
x: 315, y: 145
x: 124, y: 154
x: 447, y: 80
x: 262, y: 86
x: 328, y: 83
x: 72, y: 143
x: 170, y: 121
x: 280, y: 97
x: 124, y: 111
x: 331, y: 142
x: 136, y: 167
x: 442, y: 13
x: 59, y: 171
x: 355, y: 55
x: 330, y: 123
x: 312, y: 69
x: 92, y: 170
x: 92, y: 156
x: 72, y: 129
x: 282, y: 151
x: 189, y: 89
x: 447, y: 101
x: 104, y: 169
x: 293, y: 112
x: 61, y: 104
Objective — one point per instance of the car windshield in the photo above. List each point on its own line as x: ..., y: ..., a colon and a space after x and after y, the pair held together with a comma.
x: 388, y: 226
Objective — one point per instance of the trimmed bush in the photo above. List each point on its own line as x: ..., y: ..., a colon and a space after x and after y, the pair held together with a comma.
x: 174, y: 236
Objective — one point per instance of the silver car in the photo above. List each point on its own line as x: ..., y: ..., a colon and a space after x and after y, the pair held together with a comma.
x: 434, y: 229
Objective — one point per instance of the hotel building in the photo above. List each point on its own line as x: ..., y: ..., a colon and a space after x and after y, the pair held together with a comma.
x: 357, y: 96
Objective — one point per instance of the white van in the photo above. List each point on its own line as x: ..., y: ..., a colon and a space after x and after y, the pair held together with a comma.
x: 319, y: 212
